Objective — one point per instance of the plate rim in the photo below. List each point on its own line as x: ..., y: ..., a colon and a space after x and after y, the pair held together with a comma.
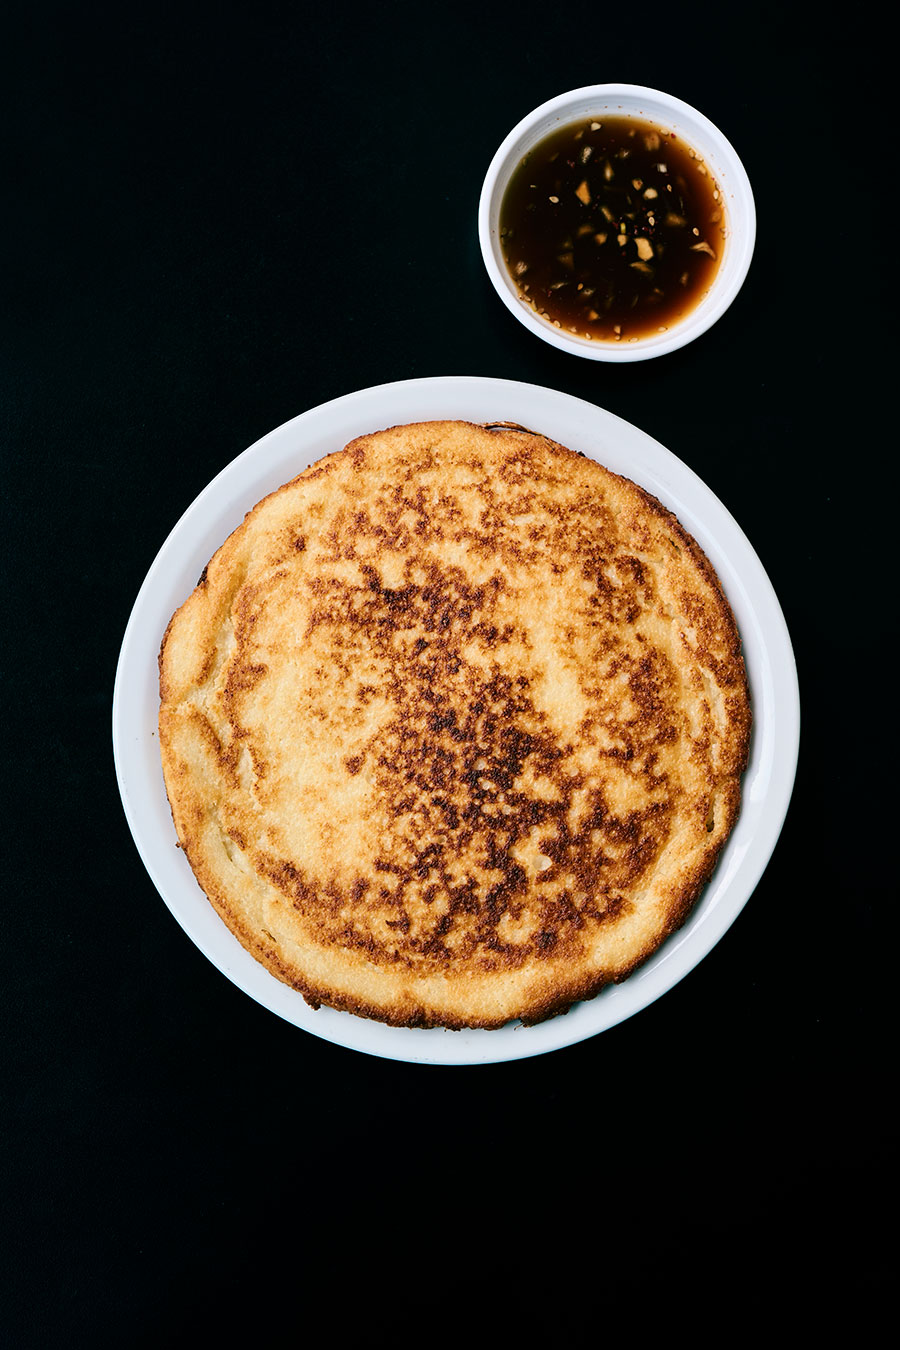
x: 746, y: 854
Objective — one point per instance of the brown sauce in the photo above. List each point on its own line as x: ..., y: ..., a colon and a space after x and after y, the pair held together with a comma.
x: 612, y: 229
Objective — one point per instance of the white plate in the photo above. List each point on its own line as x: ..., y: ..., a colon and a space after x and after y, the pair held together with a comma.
x: 277, y: 458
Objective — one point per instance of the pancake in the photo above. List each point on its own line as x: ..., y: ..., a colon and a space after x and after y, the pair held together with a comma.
x: 453, y: 726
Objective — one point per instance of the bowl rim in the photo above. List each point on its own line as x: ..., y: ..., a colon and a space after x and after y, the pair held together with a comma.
x: 697, y: 129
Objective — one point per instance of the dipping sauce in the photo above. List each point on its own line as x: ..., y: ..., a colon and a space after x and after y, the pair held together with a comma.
x: 612, y: 229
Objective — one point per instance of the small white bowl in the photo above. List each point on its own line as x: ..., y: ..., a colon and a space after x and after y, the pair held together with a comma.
x: 625, y: 100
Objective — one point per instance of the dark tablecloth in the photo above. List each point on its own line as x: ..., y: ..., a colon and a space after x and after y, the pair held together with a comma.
x: 215, y: 219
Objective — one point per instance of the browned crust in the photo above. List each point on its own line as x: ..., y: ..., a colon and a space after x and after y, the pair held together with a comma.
x: 626, y: 558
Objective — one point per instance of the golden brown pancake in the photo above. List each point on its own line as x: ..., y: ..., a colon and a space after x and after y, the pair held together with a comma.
x: 452, y: 727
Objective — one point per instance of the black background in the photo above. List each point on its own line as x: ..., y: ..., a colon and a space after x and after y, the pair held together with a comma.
x: 212, y: 220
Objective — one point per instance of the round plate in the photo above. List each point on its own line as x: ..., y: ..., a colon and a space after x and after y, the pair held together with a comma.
x: 277, y: 458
